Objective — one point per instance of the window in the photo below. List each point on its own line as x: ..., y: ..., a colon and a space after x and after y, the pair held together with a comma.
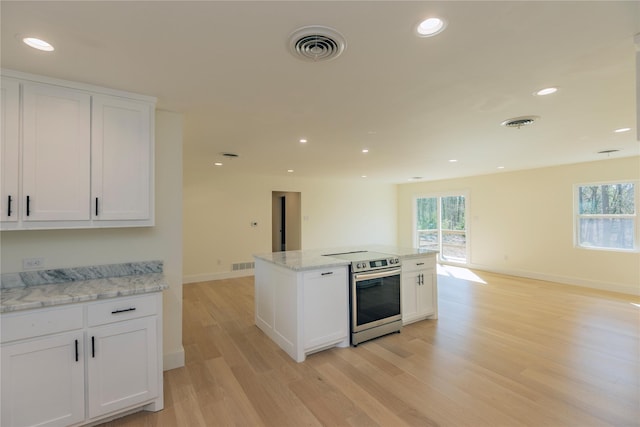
x: 605, y: 216
x: 440, y: 224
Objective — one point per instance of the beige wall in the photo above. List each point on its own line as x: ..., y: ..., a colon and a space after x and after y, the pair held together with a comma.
x: 74, y: 248
x: 521, y: 223
x: 219, y: 208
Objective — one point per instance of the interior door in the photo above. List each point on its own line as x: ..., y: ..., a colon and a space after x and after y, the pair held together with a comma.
x: 286, y: 223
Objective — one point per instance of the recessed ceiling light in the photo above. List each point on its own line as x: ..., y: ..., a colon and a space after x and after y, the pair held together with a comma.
x: 500, y: 167
x: 546, y: 91
x: 217, y: 164
x: 430, y: 27
x: 303, y: 141
x: 622, y: 130
x: 452, y: 161
x: 290, y: 170
x: 37, y: 44
x: 363, y: 176
x: 365, y: 150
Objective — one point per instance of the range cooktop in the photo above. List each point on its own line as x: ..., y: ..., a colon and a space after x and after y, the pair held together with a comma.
x: 366, y: 260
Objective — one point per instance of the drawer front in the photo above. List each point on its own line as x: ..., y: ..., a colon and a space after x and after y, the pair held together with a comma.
x: 36, y: 323
x: 327, y: 273
x: 414, y: 264
x: 119, y: 309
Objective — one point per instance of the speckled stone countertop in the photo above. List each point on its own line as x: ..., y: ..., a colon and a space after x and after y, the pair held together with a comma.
x: 46, y: 288
x: 317, y: 258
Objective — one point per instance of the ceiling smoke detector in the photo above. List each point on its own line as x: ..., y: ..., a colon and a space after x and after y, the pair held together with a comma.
x: 316, y: 43
x: 518, y: 122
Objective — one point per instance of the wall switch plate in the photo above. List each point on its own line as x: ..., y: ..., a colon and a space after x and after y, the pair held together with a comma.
x: 30, y: 263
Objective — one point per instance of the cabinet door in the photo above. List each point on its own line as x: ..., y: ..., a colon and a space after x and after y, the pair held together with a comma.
x: 426, y: 293
x: 122, y: 365
x: 418, y: 294
x: 326, y: 307
x: 9, y: 134
x: 410, y: 295
x: 43, y: 381
x: 56, y: 153
x: 121, y: 159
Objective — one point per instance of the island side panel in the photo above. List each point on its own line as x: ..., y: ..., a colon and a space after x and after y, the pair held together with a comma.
x: 276, y: 305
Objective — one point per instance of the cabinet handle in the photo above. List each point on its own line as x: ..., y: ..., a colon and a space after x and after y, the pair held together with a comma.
x: 29, y: 205
x: 9, y: 200
x: 93, y: 347
x: 124, y: 310
x: 96, y: 206
x: 76, y: 350
x: 327, y: 273
x: 419, y: 263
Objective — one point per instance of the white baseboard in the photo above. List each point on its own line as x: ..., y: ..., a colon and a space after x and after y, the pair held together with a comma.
x: 173, y: 360
x: 574, y: 281
x: 196, y: 278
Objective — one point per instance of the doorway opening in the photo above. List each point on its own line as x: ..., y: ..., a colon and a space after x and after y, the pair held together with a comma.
x: 286, y: 221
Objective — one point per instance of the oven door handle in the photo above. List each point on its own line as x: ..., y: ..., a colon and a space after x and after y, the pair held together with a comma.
x: 376, y: 275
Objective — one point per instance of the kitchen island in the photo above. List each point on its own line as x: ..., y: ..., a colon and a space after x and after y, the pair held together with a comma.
x: 302, y: 297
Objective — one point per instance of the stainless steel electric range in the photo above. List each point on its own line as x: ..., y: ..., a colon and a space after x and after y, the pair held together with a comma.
x: 374, y: 294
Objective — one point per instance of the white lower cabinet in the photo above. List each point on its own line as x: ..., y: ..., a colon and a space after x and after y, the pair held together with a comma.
x: 122, y: 368
x: 302, y: 311
x: 326, y: 307
x: 419, y: 289
x: 110, y: 350
x: 43, y: 381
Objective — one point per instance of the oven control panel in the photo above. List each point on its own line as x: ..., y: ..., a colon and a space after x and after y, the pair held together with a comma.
x: 375, y: 264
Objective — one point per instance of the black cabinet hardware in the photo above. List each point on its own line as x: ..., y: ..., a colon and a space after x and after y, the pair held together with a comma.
x: 76, y: 350
x: 124, y: 310
x: 93, y: 346
x: 327, y: 273
x: 28, y: 205
x: 9, y: 199
x: 419, y: 263
x: 96, y: 206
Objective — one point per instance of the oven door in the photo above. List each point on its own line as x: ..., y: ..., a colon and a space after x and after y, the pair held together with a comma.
x: 375, y: 298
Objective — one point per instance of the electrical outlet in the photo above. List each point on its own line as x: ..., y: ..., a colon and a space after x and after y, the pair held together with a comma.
x: 29, y: 263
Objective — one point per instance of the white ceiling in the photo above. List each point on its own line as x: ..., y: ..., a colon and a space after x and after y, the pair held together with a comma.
x: 415, y: 103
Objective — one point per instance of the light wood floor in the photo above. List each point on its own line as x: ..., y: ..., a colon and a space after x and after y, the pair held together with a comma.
x: 507, y: 352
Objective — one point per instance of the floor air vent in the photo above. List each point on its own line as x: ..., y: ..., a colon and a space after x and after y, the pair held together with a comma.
x: 243, y: 266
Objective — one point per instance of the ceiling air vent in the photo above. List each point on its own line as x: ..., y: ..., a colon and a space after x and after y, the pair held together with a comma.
x: 518, y: 122
x: 316, y: 43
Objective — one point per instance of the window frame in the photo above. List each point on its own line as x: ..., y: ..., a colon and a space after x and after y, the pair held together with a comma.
x: 636, y: 218
x: 467, y: 222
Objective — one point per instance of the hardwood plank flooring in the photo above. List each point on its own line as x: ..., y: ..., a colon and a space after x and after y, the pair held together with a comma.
x: 506, y: 351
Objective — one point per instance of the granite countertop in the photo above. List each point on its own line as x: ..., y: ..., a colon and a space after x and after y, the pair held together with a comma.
x: 46, y: 288
x: 314, y: 259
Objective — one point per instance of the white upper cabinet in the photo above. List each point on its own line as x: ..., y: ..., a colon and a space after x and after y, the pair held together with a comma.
x: 120, y: 167
x: 10, y: 148
x: 74, y: 156
x: 56, y: 153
